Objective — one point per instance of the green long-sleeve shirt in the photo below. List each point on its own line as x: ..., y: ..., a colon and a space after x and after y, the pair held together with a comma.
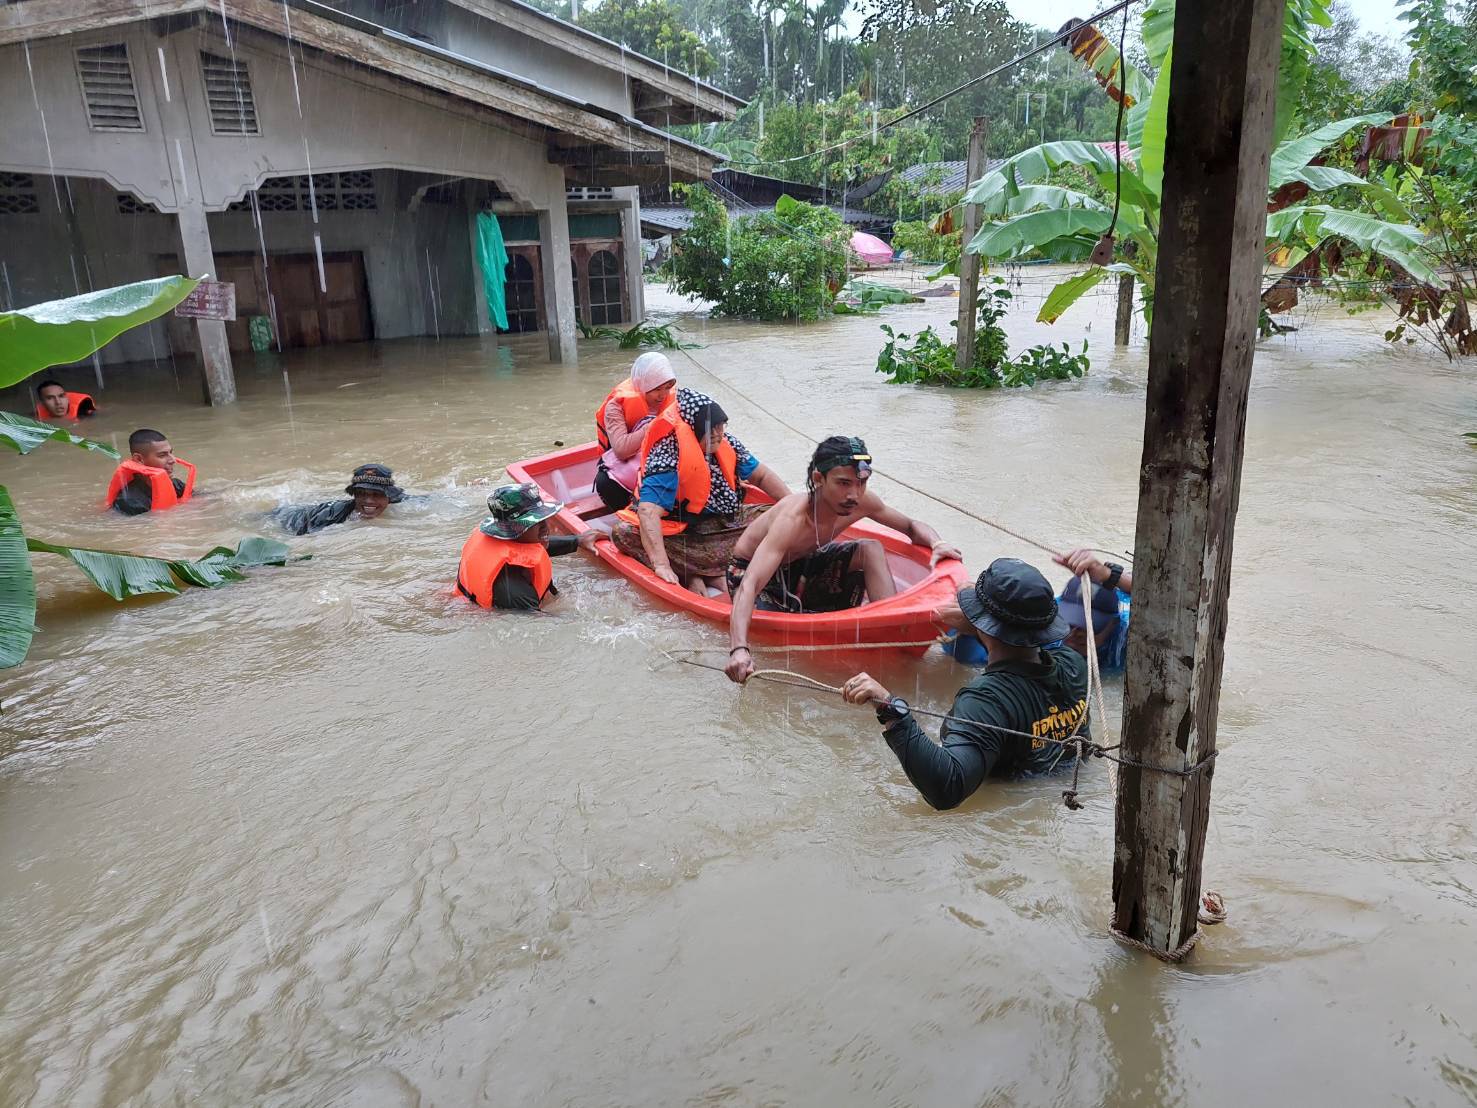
x: 1044, y: 698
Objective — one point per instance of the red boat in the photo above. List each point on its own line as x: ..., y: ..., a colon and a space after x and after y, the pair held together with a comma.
x: 568, y: 476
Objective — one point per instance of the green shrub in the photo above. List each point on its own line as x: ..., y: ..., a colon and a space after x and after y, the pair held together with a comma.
x: 930, y: 360
x: 919, y: 239
x: 785, y: 264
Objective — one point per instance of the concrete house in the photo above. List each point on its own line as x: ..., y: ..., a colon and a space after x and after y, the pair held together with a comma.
x: 331, y: 160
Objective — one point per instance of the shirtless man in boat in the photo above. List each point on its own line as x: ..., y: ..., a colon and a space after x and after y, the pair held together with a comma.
x: 789, y: 559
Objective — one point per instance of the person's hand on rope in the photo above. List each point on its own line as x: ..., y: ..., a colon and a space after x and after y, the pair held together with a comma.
x: 944, y: 549
x: 1083, y: 561
x: 864, y: 689
x: 740, y: 665
x: 952, y: 616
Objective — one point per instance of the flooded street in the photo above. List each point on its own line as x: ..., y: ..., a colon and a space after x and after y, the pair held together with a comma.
x: 333, y: 836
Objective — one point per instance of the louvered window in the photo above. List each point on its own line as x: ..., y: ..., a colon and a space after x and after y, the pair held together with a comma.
x: 228, y: 92
x: 108, y: 89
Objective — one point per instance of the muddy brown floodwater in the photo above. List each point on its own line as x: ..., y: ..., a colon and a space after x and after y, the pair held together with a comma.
x: 330, y: 836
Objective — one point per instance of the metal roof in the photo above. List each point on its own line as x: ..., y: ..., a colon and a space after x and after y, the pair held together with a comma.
x: 942, y: 177
x: 676, y: 218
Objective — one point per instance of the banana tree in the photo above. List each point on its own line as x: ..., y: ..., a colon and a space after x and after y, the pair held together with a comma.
x: 1064, y: 223
x: 62, y: 331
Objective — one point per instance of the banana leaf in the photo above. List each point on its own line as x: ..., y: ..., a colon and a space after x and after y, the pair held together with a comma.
x: 1028, y: 197
x: 61, y: 331
x: 1059, y: 299
x: 1291, y: 158
x: 123, y: 575
x: 23, y: 434
x: 1400, y: 242
x: 1036, y: 164
x: 17, y: 587
x: 1036, y: 229
x: 1158, y: 31
x: 860, y: 289
x: 1156, y: 123
x: 1099, y: 53
x: 117, y: 574
x: 1298, y: 51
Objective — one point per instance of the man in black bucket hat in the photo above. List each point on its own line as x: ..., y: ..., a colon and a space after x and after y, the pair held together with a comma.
x: 1015, y: 716
x: 372, y: 489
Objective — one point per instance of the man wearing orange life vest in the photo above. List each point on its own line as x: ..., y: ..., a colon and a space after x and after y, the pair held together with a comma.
x: 620, y: 425
x: 691, y: 509
x: 57, y: 403
x: 146, y: 481
x: 505, y: 562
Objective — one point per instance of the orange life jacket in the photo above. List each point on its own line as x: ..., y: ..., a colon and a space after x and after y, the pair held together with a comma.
x: 161, y: 486
x: 483, y: 558
x: 633, y: 405
x: 74, y: 402
x: 694, y: 478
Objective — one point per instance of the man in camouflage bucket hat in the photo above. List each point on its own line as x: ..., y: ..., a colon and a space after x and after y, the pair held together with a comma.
x: 515, y: 509
x: 505, y: 563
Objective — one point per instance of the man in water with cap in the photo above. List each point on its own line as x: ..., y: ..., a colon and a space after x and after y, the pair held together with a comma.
x: 790, y: 560
x: 1110, y: 610
x: 505, y: 562
x: 372, y: 489
x: 1016, y: 716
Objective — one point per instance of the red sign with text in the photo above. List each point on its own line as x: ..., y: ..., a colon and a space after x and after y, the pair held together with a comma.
x: 210, y: 300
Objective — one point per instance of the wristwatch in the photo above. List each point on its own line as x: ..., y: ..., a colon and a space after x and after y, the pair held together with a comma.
x: 1115, y: 571
x: 892, y: 711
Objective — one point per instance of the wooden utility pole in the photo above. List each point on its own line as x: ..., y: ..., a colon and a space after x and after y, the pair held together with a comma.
x: 969, y: 264
x: 1223, y: 82
x: 1124, y: 322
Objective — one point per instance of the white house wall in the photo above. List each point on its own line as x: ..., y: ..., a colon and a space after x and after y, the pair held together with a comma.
x: 359, y: 122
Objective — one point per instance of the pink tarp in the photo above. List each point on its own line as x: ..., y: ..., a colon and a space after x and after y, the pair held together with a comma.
x: 870, y: 248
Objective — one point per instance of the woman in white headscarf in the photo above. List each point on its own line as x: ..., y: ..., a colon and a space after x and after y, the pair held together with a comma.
x: 620, y: 425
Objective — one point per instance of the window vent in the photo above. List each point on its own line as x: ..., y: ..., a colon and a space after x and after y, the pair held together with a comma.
x: 329, y: 192
x: 129, y: 204
x: 18, y: 194
x: 590, y: 193
x: 108, y: 89
x: 228, y: 92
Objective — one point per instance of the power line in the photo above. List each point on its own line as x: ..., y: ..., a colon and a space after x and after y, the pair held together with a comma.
x: 1122, y: 5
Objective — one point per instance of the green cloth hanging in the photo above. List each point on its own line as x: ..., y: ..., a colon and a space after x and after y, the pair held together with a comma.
x: 492, y: 258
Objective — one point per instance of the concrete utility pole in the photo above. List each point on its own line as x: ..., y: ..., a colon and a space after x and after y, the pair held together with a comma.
x: 969, y: 264
x: 1224, y: 81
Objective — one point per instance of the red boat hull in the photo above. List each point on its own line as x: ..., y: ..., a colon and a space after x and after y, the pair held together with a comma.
x: 568, y: 476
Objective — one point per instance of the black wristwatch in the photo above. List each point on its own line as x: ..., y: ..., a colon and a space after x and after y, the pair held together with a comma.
x: 1115, y: 571
x: 892, y: 711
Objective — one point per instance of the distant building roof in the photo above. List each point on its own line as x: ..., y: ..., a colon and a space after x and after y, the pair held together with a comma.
x: 1124, y: 152
x: 674, y: 219
x: 937, y: 178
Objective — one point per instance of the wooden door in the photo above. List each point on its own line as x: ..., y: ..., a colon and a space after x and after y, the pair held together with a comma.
x: 315, y: 309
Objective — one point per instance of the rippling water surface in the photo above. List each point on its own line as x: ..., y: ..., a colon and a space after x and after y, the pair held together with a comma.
x: 330, y: 836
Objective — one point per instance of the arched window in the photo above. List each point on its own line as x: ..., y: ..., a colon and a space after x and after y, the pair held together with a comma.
x: 522, y: 296
x: 605, y: 288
